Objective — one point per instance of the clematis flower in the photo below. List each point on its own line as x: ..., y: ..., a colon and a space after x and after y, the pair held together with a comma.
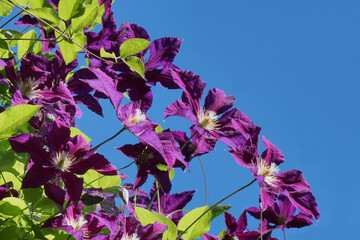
x: 265, y: 169
x: 170, y: 204
x: 235, y: 229
x: 147, y: 158
x: 282, y: 215
x: 208, y: 126
x: 78, y: 226
x: 41, y: 82
x: 57, y: 155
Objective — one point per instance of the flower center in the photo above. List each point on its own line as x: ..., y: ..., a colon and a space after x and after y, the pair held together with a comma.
x: 268, y: 172
x: 138, y: 117
x: 27, y: 87
x: 63, y: 160
x: 133, y: 236
x: 76, y: 224
x: 207, y: 119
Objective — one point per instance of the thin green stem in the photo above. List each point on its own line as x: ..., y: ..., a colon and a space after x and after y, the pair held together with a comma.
x: 284, y: 233
x: 6, y: 184
x: 27, y: 39
x: 212, y: 206
x: 205, y: 184
x: 179, y: 210
x: 100, y: 144
x: 105, y: 175
x: 153, y: 197
x: 186, y: 143
x: 158, y: 196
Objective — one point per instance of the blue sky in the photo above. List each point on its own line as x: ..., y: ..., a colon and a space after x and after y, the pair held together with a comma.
x: 293, y: 67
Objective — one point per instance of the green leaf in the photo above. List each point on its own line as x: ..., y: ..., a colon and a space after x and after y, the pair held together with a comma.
x: 10, y: 232
x: 23, y: 3
x: 199, y: 228
x: 10, y: 177
x: 223, y: 232
x: 162, y: 167
x: 7, y: 155
x: 69, y: 8
x: 32, y: 195
x: 9, y: 34
x: 5, y: 8
x: 136, y: 65
x: 68, y: 49
x: 37, y: 48
x: 105, y: 54
x: 171, y: 173
x: 133, y: 46
x: 158, y: 129
x: 26, y: 45
x: 96, y: 180
x: 40, y: 4
x: 13, y: 118
x: 98, y: 17
x: 75, y: 131
x: 4, y: 49
x: 12, y: 206
x: 218, y: 210
x: 146, y: 217
x: 54, y: 234
x: 47, y: 14
x: 87, y: 18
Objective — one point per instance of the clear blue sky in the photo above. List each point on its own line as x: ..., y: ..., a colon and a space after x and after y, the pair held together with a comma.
x: 294, y: 69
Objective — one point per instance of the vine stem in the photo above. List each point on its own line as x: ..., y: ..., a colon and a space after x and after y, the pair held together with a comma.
x: 261, y: 222
x: 61, y: 33
x: 284, y: 233
x: 2, y: 26
x: 212, y: 206
x: 153, y: 197
x: 186, y: 143
x: 205, y: 184
x: 6, y: 184
x: 100, y: 144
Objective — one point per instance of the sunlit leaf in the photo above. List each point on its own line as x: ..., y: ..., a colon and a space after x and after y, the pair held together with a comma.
x: 26, y: 43
x: 75, y: 131
x: 12, y: 206
x: 87, y: 18
x: 137, y: 65
x: 218, y: 210
x: 96, y: 180
x: 69, y: 8
x: 146, y: 217
x: 133, y: 46
x: 200, y: 227
x: 13, y: 118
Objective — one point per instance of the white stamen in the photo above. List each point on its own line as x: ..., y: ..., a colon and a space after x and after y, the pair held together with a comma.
x: 133, y: 236
x: 268, y: 172
x: 63, y: 160
x: 28, y: 87
x: 76, y: 224
x: 207, y: 119
x: 138, y: 117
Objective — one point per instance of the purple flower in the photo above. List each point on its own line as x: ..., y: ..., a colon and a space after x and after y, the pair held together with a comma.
x: 282, y: 215
x: 208, y: 126
x: 56, y: 154
x: 235, y: 229
x: 78, y: 226
x: 171, y: 205
x: 161, y: 150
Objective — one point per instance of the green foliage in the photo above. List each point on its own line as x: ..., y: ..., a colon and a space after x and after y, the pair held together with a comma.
x: 93, y: 179
x: 75, y: 131
x: 13, y: 118
x: 49, y: 15
x: 26, y: 43
x: 199, y: 228
x: 4, y: 48
x: 5, y: 8
x: 32, y: 195
x: 12, y: 207
x: 136, y: 65
x: 70, y: 8
x: 9, y: 34
x: 67, y: 47
x: 87, y: 18
x: 218, y: 210
x: 11, y: 232
x: 133, y: 46
x: 7, y: 156
x: 105, y: 54
x: 146, y: 217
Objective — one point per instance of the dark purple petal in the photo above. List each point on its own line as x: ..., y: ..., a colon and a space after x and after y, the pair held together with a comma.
x: 272, y: 154
x: 28, y: 143
x: 304, y: 201
x: 209, y: 237
x: 230, y: 223
x: 162, y: 51
x: 217, y: 101
x: 299, y: 221
x: 97, y: 162
x: 56, y: 194
x: 178, y: 108
x: 190, y: 83
x: 38, y: 176
x: 73, y: 184
x: 293, y: 180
